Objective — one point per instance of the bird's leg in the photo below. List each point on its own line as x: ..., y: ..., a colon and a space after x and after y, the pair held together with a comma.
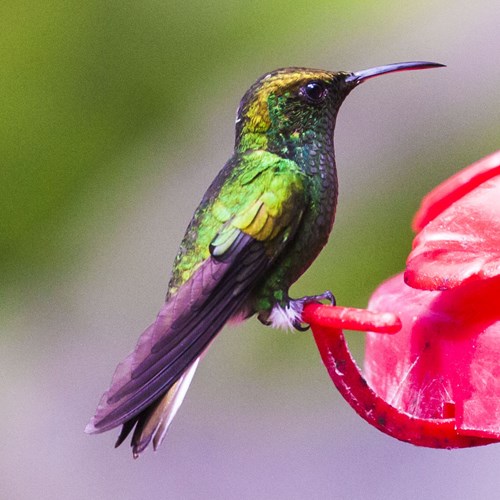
x: 299, y: 304
x: 287, y: 313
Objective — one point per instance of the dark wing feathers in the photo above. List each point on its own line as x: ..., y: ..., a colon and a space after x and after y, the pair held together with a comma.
x: 257, y: 220
x: 182, y: 331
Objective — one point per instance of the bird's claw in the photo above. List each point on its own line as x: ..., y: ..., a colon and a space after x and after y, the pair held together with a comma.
x: 325, y: 296
x: 298, y: 324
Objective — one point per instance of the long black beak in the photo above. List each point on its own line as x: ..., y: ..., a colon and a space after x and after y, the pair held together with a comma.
x: 365, y: 74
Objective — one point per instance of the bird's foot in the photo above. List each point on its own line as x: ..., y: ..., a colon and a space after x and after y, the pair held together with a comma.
x: 288, y: 315
x: 299, y: 304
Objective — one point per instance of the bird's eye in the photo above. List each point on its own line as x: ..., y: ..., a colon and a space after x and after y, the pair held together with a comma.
x: 314, y: 91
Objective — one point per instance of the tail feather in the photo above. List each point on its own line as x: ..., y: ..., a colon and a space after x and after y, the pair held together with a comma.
x: 156, y: 420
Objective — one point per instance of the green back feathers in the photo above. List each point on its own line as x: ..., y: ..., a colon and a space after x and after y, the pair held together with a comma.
x: 261, y: 196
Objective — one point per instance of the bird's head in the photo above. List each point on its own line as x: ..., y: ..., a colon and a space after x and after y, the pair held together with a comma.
x: 298, y: 105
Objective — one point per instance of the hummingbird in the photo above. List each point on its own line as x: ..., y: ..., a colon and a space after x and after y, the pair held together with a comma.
x: 259, y: 226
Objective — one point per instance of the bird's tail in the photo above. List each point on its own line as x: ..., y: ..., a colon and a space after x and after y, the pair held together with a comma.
x: 154, y: 422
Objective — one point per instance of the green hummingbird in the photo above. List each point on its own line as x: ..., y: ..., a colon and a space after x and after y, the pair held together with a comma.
x: 259, y: 226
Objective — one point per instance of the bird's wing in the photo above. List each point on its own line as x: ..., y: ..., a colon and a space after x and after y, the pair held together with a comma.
x: 239, y: 255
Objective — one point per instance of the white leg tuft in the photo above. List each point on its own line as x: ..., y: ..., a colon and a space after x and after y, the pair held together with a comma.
x: 286, y: 317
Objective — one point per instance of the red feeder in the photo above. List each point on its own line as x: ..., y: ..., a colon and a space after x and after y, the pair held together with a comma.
x: 436, y: 382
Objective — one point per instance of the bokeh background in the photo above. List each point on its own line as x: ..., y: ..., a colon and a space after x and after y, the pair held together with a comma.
x: 114, y: 118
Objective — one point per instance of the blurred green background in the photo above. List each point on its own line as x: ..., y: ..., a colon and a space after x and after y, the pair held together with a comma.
x: 114, y: 118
